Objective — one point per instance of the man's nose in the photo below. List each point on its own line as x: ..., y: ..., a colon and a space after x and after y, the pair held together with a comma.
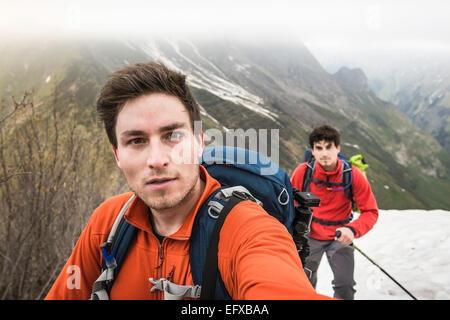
x: 158, y: 154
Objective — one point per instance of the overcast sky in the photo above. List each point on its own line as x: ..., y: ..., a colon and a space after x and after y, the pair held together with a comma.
x: 323, y: 26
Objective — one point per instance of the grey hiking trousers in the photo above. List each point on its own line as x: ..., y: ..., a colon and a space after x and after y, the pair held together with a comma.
x: 342, y: 263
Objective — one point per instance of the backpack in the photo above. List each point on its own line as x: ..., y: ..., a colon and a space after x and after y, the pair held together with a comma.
x: 241, y: 174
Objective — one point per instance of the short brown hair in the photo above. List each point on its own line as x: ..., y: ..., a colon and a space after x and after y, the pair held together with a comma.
x: 326, y: 133
x: 140, y: 79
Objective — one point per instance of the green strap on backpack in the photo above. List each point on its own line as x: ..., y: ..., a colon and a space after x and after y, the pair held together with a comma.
x: 358, y: 161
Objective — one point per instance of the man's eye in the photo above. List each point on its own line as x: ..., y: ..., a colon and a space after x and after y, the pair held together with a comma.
x: 175, y: 136
x: 136, y: 141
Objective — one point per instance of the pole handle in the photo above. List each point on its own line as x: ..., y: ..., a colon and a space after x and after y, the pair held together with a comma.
x: 338, y: 235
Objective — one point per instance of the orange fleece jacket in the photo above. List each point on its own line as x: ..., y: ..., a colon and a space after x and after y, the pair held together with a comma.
x: 257, y: 257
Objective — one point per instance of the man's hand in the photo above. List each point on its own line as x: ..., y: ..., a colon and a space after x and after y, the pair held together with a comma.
x: 346, y: 237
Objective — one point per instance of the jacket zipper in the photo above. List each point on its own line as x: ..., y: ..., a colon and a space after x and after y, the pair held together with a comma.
x: 160, y: 259
x: 159, y: 267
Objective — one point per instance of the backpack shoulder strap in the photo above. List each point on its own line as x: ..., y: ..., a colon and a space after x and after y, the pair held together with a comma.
x: 210, y: 270
x: 309, y: 171
x: 114, y: 251
x: 347, y: 178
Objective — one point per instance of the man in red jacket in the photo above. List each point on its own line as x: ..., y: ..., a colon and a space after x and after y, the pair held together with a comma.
x: 335, y: 210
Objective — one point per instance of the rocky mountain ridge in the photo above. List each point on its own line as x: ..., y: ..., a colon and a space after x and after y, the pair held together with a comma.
x: 259, y: 85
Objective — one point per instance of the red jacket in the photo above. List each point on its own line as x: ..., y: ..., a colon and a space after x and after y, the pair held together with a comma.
x: 257, y: 257
x: 334, y: 205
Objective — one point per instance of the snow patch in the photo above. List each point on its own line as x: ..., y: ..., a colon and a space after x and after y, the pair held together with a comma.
x: 413, y: 246
x: 205, y: 113
x: 402, y: 155
x: 437, y: 94
x: 243, y: 68
x: 351, y: 145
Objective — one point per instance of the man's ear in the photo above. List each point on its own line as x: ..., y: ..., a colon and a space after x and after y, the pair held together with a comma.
x: 338, y: 148
x: 116, y: 156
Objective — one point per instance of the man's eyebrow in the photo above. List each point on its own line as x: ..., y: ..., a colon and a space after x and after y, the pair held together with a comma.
x: 173, y: 126
x: 170, y: 127
x: 128, y: 133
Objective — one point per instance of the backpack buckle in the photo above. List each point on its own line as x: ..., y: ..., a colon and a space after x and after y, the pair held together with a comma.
x: 108, y: 257
x: 241, y: 195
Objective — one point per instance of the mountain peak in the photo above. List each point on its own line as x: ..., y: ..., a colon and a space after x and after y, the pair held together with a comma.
x: 353, y: 80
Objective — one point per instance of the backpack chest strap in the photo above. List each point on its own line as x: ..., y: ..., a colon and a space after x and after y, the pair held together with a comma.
x: 328, y: 183
x: 332, y: 222
x: 174, y: 291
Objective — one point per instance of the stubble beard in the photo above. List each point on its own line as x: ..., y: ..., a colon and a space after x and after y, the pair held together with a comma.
x: 162, y: 200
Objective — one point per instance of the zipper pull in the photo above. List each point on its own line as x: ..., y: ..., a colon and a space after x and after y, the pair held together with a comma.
x: 170, y: 275
x: 161, y: 257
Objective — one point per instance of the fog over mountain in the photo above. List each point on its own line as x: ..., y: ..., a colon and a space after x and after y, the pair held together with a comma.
x: 285, y: 65
x: 257, y: 84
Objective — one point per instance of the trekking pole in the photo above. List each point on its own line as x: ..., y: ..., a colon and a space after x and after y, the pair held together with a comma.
x: 338, y: 234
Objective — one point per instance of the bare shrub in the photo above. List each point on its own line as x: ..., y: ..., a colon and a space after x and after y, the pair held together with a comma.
x: 52, y: 176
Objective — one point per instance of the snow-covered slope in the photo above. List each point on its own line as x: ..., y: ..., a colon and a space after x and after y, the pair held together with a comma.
x: 413, y: 246
x: 203, y: 74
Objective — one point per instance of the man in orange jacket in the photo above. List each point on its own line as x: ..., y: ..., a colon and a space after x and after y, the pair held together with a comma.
x: 149, y: 113
x: 335, y: 210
